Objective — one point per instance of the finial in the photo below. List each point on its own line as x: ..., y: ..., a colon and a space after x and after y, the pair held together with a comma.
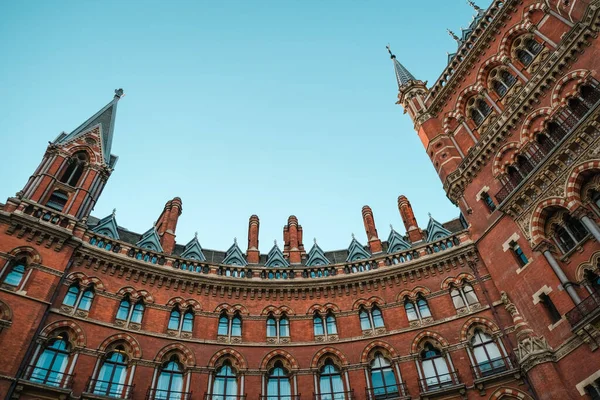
x: 475, y: 6
x: 234, y: 240
x: 391, y: 227
x: 429, y: 215
x: 119, y: 93
x: 196, y: 235
x: 275, y: 242
x: 453, y: 35
x: 390, y: 51
x: 114, y: 211
x: 353, y: 236
x: 315, y: 241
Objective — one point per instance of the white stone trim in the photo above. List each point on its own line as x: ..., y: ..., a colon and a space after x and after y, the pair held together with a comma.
x: 587, y: 381
x: 544, y: 289
x: 483, y: 189
x: 557, y: 323
x: 514, y: 238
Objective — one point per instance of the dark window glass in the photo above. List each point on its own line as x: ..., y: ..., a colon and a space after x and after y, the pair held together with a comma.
x: 551, y: 309
x: 57, y: 200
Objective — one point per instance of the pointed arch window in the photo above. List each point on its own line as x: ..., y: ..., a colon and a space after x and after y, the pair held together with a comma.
x: 226, y: 383
x: 79, y: 300
x: 15, y: 274
x: 331, y: 386
x: 50, y: 368
x: 169, y: 385
x: 278, y: 327
x: 174, y: 319
x: 502, y: 81
x: 223, y: 325
x: 271, y: 326
x: 487, y: 357
x: 417, y: 310
x: 230, y: 327
x: 75, y: 168
x: 57, y: 201
x: 566, y: 231
x: 371, y: 319
x: 463, y: 297
x: 181, y: 323
x: 434, y: 368
x: 527, y: 49
x: 479, y: 110
x: 278, y: 383
x: 111, y: 377
x: 383, y: 379
x: 130, y: 314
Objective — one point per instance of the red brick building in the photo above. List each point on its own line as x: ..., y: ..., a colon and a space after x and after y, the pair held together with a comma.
x: 500, y: 303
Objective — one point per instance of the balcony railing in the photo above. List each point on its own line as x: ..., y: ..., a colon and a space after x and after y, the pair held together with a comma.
x: 225, y: 396
x: 535, y: 153
x: 49, y: 377
x: 584, y: 310
x: 280, y: 397
x: 349, y: 395
x: 109, y: 389
x: 160, y: 394
x: 389, y: 392
x: 492, y: 367
x: 437, y: 382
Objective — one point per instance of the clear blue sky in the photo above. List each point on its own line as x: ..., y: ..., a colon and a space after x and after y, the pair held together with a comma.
x: 239, y: 107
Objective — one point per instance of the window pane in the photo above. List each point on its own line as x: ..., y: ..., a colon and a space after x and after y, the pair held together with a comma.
x: 423, y: 308
x: 138, y: 313
x: 284, y: 327
x: 411, y: 313
x: 123, y: 312
x: 223, y: 326
x: 236, y: 326
x: 457, y: 299
x: 318, y: 325
x: 271, y: 327
x: 377, y: 318
x: 174, y: 320
x: 365, y: 322
x: 86, y: 300
x: 188, y: 322
x: 71, y: 296
x: 331, y: 327
x: 15, y: 275
x: 470, y: 294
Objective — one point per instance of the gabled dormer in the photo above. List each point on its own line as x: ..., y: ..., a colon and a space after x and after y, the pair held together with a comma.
x: 235, y: 256
x: 356, y: 251
x: 150, y: 240
x: 108, y: 227
x: 396, y: 242
x: 275, y: 258
x: 316, y: 256
x: 435, y: 230
x: 193, y: 250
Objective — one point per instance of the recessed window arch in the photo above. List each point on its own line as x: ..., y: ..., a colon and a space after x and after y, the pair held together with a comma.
x: 181, y: 320
x: 111, y: 378
x: 230, y: 327
x: 479, y: 109
x: 525, y: 49
x: 500, y: 80
x: 331, y: 385
x: 463, y: 297
x: 129, y: 312
x: 434, y: 369
x: 370, y: 319
x: 79, y: 299
x: 383, y: 382
x: 75, y: 168
x: 487, y: 357
x: 325, y: 325
x: 225, y: 383
x: 170, y: 382
x: 567, y: 232
x: 51, y: 366
x: 15, y: 272
x: 418, y: 309
x: 279, y: 385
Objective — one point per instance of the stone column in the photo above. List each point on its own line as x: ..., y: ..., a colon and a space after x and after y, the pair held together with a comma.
x: 545, y: 248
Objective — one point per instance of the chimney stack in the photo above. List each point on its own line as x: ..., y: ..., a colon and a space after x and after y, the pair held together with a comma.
x: 253, y: 255
x: 410, y: 222
x: 167, y: 224
x: 292, y: 239
x: 374, y: 242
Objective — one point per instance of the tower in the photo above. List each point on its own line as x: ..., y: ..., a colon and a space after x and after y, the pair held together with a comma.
x: 76, y: 166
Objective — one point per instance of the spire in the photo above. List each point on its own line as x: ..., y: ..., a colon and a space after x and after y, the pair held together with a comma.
x: 453, y: 36
x: 106, y: 119
x: 402, y: 75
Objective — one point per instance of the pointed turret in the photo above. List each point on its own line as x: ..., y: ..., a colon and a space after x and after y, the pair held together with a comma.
x: 105, y: 120
x: 76, y: 166
x: 403, y: 76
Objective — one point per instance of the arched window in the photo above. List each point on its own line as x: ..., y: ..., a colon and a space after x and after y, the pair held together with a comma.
x: 435, y: 369
x: 15, y: 274
x: 526, y: 50
x: 130, y: 314
x: 170, y: 381
x: 174, y: 319
x: 278, y: 383
x: 593, y: 281
x: 111, y: 378
x: 417, y: 310
x: 75, y: 168
x: 331, y: 386
x: 58, y: 200
x: 51, y: 365
x: 223, y: 325
x: 487, y: 356
x: 236, y: 325
x: 318, y: 325
x: 365, y: 320
x: 226, y: 383
x: 271, y: 326
x: 383, y: 379
x: 411, y: 310
x: 377, y: 317
x: 501, y: 81
x: 188, y: 321
x: 566, y: 231
x: 330, y: 324
x: 463, y: 297
x: 71, y: 296
x: 77, y: 299
x: 284, y: 326
x: 479, y: 110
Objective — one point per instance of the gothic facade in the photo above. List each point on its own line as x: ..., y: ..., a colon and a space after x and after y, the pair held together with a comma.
x: 499, y: 303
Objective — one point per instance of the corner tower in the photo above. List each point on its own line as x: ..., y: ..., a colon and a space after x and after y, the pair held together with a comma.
x: 76, y: 166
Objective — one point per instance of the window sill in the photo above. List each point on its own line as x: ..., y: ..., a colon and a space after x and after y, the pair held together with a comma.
x: 557, y: 323
x: 521, y: 269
